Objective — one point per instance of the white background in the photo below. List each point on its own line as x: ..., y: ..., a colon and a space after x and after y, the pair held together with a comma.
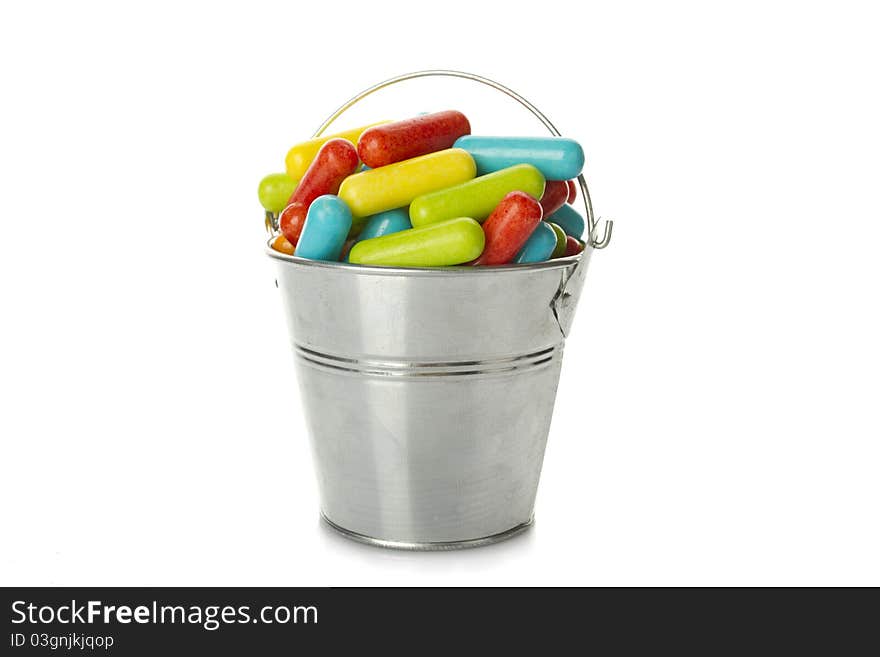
x: 717, y: 419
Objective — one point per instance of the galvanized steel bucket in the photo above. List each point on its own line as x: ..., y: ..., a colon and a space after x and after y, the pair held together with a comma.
x: 428, y: 393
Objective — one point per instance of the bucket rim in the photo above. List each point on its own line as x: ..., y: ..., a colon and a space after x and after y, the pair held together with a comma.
x: 455, y: 270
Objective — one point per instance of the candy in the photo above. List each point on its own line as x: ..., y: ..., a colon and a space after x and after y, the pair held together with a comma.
x: 281, y: 245
x: 573, y: 246
x: 441, y: 244
x: 274, y: 191
x: 396, y: 185
x: 561, y: 239
x: 346, y: 247
x: 380, y: 224
x: 476, y: 198
x: 300, y: 157
x: 555, y: 194
x: 336, y: 160
x: 572, y: 191
x: 291, y: 221
x: 569, y: 219
x: 508, y: 228
x: 539, y: 246
x: 558, y: 158
x: 403, y: 140
x: 327, y: 225
x: 385, y: 223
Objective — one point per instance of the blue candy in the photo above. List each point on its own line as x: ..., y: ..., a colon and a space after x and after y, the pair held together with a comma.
x: 384, y: 223
x: 569, y: 220
x: 327, y: 224
x: 558, y: 158
x: 539, y: 246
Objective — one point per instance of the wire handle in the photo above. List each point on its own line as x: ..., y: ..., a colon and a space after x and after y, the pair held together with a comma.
x: 585, y: 192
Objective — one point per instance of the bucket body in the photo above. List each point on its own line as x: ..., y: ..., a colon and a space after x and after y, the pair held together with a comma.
x: 428, y: 393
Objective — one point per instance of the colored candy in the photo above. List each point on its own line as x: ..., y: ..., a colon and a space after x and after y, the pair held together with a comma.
x: 327, y: 225
x: 336, y: 160
x: 414, y: 193
x: 396, y: 185
x: 569, y: 219
x: 555, y: 194
x: 346, y: 247
x: 573, y: 246
x: 274, y: 191
x: 508, y: 228
x: 476, y: 198
x: 300, y: 157
x: 402, y: 140
x: 558, y: 158
x: 385, y: 223
x: 291, y: 221
x: 539, y: 246
x: 441, y: 244
x: 281, y: 245
x: 561, y: 238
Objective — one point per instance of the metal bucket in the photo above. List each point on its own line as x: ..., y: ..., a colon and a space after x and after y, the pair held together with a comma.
x: 428, y: 393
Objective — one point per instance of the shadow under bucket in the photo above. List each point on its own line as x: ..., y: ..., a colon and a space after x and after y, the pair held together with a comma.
x: 428, y: 393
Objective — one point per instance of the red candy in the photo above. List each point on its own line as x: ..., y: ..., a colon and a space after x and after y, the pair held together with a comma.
x: 572, y: 246
x: 572, y: 190
x: 508, y: 227
x: 556, y: 193
x: 291, y: 221
x: 336, y: 160
x: 402, y: 140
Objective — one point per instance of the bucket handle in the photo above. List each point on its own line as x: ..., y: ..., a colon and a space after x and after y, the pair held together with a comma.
x: 600, y: 243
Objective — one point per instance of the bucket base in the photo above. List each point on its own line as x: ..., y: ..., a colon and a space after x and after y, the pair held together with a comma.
x: 430, y: 547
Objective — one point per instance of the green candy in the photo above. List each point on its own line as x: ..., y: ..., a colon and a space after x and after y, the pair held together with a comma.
x: 440, y: 244
x: 275, y: 190
x: 559, y: 251
x: 476, y: 198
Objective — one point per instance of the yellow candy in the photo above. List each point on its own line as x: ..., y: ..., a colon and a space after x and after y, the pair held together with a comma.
x: 396, y: 185
x: 300, y: 156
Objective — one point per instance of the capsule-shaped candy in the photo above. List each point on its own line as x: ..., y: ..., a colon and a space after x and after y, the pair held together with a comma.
x: 281, y: 245
x: 445, y: 243
x: 275, y: 190
x: 346, y: 247
x: 539, y: 246
x: 572, y: 191
x: 573, y: 246
x: 327, y: 225
x: 558, y: 158
x: 561, y: 238
x: 508, y: 228
x: 476, y: 198
x: 396, y: 185
x: 570, y: 221
x: 336, y: 160
x: 555, y: 194
x: 402, y: 140
x: 385, y: 223
x: 300, y: 157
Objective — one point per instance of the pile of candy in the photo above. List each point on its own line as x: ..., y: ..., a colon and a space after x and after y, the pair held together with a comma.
x: 424, y: 192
